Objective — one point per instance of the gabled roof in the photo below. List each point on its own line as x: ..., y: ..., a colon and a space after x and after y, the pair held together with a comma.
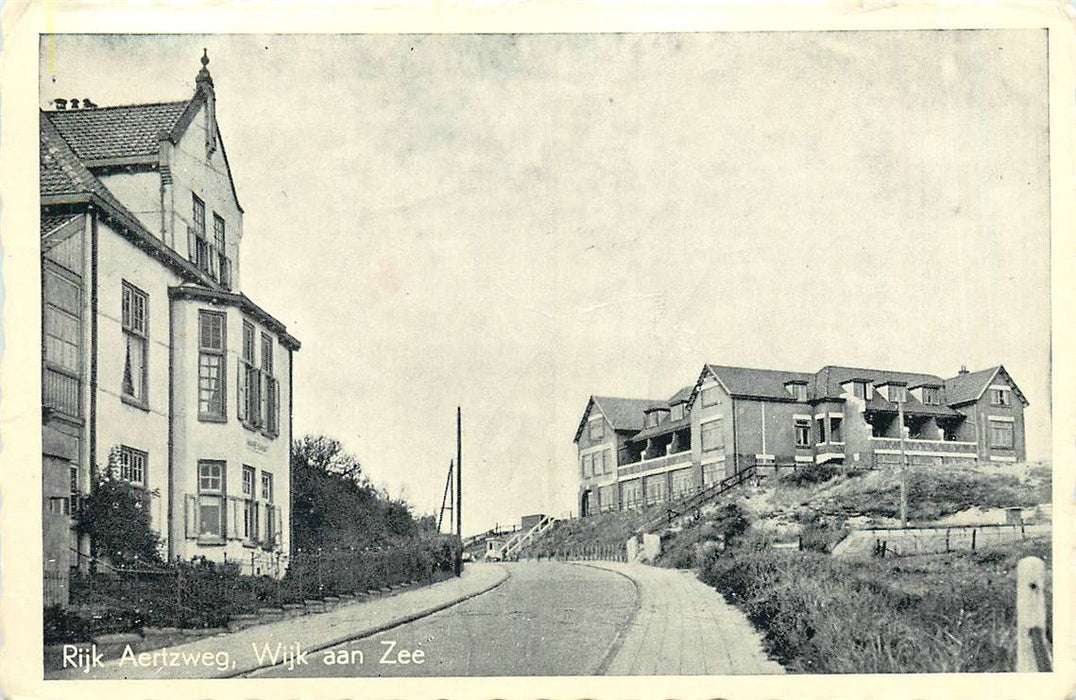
x: 683, y: 395
x: 756, y: 383
x: 828, y: 381
x: 622, y: 414
x: 124, y: 131
x: 912, y: 406
x: 62, y: 173
x: 965, y: 388
x: 669, y: 426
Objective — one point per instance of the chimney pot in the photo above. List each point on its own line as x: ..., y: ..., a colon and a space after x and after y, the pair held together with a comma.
x: 60, y: 102
x: 963, y: 369
x: 86, y: 104
x: 74, y: 103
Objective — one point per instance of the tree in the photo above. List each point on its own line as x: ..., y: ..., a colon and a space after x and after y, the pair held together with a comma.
x: 335, y: 506
x: 116, y: 517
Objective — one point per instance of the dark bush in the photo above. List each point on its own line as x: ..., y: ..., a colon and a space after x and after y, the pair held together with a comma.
x: 811, y: 474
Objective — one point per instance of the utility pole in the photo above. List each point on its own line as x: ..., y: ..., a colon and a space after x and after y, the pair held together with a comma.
x: 459, y: 487
x: 903, y: 467
x: 447, y: 499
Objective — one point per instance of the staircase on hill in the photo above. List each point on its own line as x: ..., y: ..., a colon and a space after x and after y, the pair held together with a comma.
x: 692, y: 503
x: 518, y: 540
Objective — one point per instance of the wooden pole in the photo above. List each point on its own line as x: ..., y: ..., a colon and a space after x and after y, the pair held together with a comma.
x: 903, y: 467
x: 459, y: 488
x: 459, y: 473
x: 1032, y: 653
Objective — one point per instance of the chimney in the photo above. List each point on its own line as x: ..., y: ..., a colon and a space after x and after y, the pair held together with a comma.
x: 61, y: 103
x: 963, y: 369
x: 86, y: 104
x: 74, y: 103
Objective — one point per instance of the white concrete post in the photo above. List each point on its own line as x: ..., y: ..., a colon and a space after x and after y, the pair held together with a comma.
x: 1031, y: 616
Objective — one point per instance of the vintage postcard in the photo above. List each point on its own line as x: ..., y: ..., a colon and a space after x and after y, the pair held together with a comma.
x: 517, y: 352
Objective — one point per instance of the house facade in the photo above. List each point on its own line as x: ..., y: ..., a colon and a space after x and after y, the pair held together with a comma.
x: 638, y: 452
x: 155, y: 365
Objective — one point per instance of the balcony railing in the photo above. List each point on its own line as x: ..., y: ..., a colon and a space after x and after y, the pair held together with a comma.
x: 646, y: 465
x: 917, y: 445
x: 60, y: 392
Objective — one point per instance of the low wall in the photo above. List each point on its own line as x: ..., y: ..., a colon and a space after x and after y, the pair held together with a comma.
x: 645, y: 551
x: 897, y: 542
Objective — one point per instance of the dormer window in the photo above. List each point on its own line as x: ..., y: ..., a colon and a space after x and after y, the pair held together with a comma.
x: 677, y: 411
x: 862, y: 389
x: 797, y: 390
x: 932, y: 396
x: 897, y: 393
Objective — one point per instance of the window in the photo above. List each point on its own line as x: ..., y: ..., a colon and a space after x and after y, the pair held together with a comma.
x: 834, y: 429
x: 896, y: 393
x: 211, y: 352
x: 711, y: 473
x: 677, y: 411
x: 861, y: 389
x: 219, y: 252
x: 632, y: 492
x: 197, y: 245
x: 683, y: 482
x: 250, y: 506
x: 61, y: 379
x: 269, y: 539
x: 931, y: 396
x: 711, y: 435
x: 211, y: 499
x: 711, y: 396
x: 136, y: 335
x: 797, y: 390
x: 1001, y: 434
x: 267, y: 487
x: 1000, y: 397
x: 651, y: 419
x: 803, y: 432
x: 270, y: 408
x: 132, y: 465
x: 596, y: 429
x: 587, y: 465
x: 250, y: 385
x: 61, y: 322
x: 821, y: 422
x: 656, y: 489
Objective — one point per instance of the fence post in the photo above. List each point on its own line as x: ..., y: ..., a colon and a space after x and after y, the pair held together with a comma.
x: 1032, y: 652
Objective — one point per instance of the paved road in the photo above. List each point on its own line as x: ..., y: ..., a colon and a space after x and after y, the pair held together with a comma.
x: 547, y: 619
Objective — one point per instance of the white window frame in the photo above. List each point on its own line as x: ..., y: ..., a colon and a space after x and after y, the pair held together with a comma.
x: 133, y: 465
x: 212, y: 490
x: 135, y: 333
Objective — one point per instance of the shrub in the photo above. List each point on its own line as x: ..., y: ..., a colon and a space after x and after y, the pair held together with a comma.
x: 928, y: 614
x: 811, y: 474
x: 116, y: 517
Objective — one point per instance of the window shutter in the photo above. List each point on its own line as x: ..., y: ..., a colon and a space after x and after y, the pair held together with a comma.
x: 241, y: 396
x: 232, y: 528
x: 276, y: 407
x: 255, y: 525
x: 225, y: 272
x: 277, y: 522
x: 191, y: 517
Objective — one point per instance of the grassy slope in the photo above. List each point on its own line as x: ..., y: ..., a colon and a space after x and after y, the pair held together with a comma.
x: 924, y: 614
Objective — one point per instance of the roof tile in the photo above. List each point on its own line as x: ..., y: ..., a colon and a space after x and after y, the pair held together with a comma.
x: 116, y: 132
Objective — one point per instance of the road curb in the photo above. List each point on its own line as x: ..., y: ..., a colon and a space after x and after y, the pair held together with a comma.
x: 622, y: 631
x: 355, y: 636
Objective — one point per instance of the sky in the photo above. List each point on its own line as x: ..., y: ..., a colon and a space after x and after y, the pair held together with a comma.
x: 512, y: 223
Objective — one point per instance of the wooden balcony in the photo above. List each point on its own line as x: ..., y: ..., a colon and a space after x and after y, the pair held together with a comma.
x: 646, y: 465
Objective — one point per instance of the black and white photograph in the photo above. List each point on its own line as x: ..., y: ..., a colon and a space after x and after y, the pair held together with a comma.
x: 583, y: 355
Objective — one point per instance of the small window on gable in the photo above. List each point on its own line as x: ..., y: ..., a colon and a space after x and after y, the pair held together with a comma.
x: 1000, y: 397
x: 711, y: 396
x: 596, y: 429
